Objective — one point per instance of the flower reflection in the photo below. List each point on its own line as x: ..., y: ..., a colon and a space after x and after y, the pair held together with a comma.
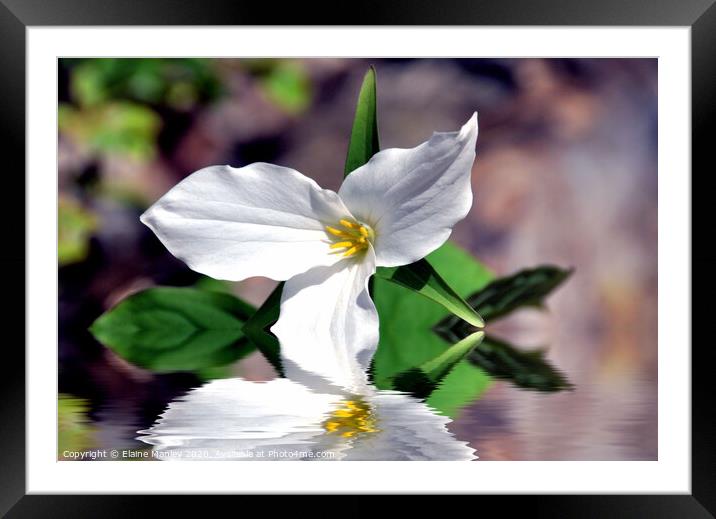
x: 235, y: 419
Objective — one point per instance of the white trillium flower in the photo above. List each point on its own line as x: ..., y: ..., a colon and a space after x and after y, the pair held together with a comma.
x: 271, y: 221
x: 282, y: 420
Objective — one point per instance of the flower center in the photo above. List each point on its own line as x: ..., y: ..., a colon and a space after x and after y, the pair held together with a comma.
x: 352, y: 418
x: 350, y: 237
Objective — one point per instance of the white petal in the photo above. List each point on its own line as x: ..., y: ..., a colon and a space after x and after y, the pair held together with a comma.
x: 328, y: 325
x: 259, y: 220
x: 413, y: 197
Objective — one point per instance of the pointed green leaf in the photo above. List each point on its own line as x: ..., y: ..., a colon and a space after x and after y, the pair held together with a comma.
x: 406, y: 316
x: 502, y: 296
x: 422, y: 278
x: 441, y: 365
x: 525, y: 288
x: 257, y: 328
x: 422, y: 380
x: 364, y: 141
x: 168, y: 329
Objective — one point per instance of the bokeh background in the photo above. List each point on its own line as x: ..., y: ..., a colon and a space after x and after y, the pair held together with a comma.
x: 566, y: 173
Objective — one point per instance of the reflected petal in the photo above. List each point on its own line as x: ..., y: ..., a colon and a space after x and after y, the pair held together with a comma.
x: 238, y: 419
x: 234, y: 419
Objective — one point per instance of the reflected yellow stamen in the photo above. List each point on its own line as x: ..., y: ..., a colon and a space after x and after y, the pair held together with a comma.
x: 353, y: 418
x: 354, y: 237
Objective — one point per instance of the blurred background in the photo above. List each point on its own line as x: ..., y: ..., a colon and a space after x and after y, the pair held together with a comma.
x: 566, y: 173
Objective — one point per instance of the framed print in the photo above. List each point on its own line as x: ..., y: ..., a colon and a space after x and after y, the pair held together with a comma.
x: 460, y: 248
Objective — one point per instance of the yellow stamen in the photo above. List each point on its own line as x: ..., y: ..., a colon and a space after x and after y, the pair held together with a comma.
x: 336, y: 232
x: 354, y: 236
x: 350, y: 225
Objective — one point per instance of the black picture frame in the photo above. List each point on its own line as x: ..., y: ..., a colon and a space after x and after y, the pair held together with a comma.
x: 17, y: 15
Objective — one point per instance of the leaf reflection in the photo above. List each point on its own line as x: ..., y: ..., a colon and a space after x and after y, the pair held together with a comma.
x: 528, y: 370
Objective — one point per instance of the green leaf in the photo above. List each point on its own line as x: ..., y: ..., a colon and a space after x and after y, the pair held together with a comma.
x: 437, y: 368
x: 257, y: 328
x: 168, y: 329
x: 529, y: 370
x: 422, y: 380
x: 462, y: 386
x: 527, y: 287
x: 406, y: 318
x: 364, y: 141
x: 179, y: 83
x: 423, y: 279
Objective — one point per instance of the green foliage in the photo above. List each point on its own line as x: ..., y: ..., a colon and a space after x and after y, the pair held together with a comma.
x: 527, y: 287
x: 115, y: 100
x: 176, y: 329
x: 118, y: 127
x: 407, y: 316
x: 436, y: 369
x: 178, y: 83
x: 75, y: 227
x: 364, y: 142
x: 405, y: 342
x: 423, y: 279
x: 422, y: 380
x: 288, y: 86
x: 462, y: 386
